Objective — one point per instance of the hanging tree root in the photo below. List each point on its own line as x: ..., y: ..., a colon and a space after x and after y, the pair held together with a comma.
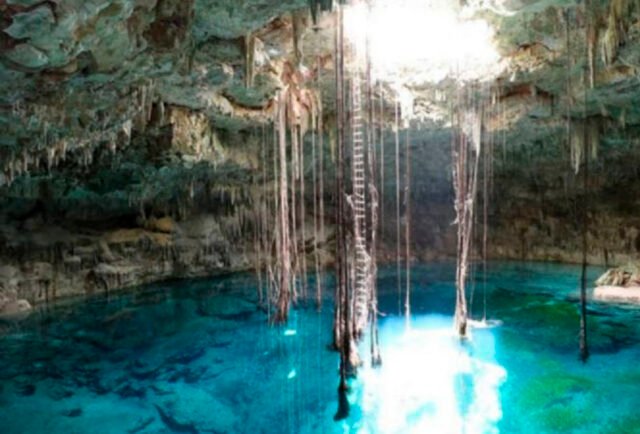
x: 343, y: 402
x: 466, y: 156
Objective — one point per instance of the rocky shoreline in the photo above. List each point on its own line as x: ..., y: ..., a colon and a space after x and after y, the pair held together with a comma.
x: 49, y: 264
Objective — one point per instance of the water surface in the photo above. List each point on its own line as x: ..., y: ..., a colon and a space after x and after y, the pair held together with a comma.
x: 198, y: 356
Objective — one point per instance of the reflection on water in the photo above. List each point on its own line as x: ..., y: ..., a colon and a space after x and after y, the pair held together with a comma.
x: 431, y: 382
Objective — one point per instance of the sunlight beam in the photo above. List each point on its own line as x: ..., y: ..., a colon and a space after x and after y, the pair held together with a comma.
x: 424, y: 41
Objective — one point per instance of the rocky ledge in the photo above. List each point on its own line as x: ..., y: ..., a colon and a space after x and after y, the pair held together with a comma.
x: 49, y: 263
x: 620, y: 284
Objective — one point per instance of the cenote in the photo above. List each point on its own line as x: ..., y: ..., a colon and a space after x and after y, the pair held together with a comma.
x: 197, y: 356
x: 319, y: 216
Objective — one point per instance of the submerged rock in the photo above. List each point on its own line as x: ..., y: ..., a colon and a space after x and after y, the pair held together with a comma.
x: 186, y: 357
x: 195, y: 410
x: 74, y: 412
x: 58, y: 392
x: 25, y: 388
x: 129, y: 391
x: 226, y: 307
x: 15, y: 310
x: 141, y: 425
x: 173, y: 424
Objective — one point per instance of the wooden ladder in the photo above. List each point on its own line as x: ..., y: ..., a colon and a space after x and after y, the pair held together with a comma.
x: 362, y: 258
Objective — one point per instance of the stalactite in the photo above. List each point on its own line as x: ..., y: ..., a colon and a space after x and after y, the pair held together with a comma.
x: 617, y: 27
x: 297, y: 24
x: 584, y: 142
x: 161, y: 109
x: 250, y: 54
x: 569, y: 65
x: 126, y: 129
x: 591, y: 39
x: 577, y: 145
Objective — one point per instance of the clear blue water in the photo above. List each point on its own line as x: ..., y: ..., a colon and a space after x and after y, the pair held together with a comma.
x: 199, y: 357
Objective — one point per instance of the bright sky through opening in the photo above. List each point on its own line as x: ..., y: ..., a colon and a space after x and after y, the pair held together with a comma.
x: 423, y: 41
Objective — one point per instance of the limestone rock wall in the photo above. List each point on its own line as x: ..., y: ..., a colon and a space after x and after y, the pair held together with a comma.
x: 535, y: 204
x: 47, y: 263
x: 538, y: 201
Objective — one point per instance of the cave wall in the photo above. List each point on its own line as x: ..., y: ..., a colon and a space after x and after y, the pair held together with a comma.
x: 174, y: 204
x: 539, y: 200
x: 536, y: 199
x: 128, y: 139
x: 131, y: 130
x: 433, y: 233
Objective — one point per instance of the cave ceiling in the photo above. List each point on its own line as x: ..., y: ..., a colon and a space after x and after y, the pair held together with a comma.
x: 82, y: 80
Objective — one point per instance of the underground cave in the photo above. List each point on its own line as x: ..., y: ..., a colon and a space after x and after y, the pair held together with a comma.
x: 319, y: 216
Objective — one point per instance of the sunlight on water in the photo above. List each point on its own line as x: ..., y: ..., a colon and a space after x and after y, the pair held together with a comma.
x: 199, y: 357
x: 430, y: 382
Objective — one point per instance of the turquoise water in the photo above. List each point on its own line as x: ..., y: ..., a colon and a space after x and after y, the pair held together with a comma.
x: 199, y: 357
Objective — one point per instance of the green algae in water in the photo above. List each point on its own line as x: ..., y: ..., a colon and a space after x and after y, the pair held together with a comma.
x: 551, y: 322
x: 198, y: 356
x: 550, y: 389
x: 565, y: 418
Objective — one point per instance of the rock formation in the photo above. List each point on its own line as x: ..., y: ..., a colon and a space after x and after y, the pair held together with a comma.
x: 130, y: 133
